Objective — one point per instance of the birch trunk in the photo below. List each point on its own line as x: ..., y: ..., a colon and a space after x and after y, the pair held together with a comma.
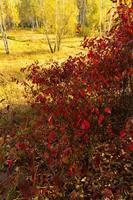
x: 48, y: 40
x: 3, y: 31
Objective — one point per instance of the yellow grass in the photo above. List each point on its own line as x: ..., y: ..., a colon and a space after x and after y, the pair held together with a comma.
x: 26, y: 46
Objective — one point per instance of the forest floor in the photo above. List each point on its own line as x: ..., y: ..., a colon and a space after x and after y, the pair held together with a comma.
x: 27, y: 46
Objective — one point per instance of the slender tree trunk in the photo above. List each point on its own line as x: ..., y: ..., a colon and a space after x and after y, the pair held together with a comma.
x: 58, y: 42
x: 82, y: 4
x: 4, y: 37
x: 3, y: 31
x: 48, y: 40
x: 37, y: 23
x: 59, y: 26
x: 47, y: 36
x: 100, y: 21
x: 33, y: 24
x: 82, y: 11
x: 56, y: 25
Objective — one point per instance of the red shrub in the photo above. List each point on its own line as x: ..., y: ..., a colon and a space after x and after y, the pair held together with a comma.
x: 72, y: 139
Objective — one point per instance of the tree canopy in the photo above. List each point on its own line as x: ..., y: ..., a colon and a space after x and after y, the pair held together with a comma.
x: 37, y: 13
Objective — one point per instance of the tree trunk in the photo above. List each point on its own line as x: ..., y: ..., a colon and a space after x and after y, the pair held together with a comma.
x: 3, y: 31
x: 48, y: 40
x: 82, y: 4
x: 4, y: 37
x: 82, y: 11
x: 56, y: 25
x: 59, y: 26
x: 37, y: 23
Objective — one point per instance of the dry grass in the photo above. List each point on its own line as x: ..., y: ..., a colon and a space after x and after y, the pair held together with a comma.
x: 26, y: 46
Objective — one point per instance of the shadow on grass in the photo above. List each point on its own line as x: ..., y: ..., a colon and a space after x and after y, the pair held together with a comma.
x: 12, y: 118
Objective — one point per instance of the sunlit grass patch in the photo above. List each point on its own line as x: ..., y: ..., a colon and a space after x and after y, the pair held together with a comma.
x: 11, y: 94
x: 27, y: 46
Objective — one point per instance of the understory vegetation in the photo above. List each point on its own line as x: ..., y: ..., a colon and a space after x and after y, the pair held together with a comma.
x: 73, y: 139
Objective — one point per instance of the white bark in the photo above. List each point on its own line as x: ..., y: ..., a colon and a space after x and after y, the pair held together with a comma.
x: 3, y: 31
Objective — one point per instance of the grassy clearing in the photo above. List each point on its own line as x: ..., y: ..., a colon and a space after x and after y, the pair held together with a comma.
x: 26, y: 46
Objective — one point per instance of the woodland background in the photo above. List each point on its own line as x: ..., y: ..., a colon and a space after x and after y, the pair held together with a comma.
x: 32, y: 29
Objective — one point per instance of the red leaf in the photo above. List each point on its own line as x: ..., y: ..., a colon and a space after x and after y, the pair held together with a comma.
x: 90, y: 54
x: 84, y: 81
x: 85, y: 125
x: 86, y: 138
x: 100, y: 120
x: 51, y: 137
x: 89, y: 88
x: 95, y: 61
x: 122, y: 134
x: 72, y: 169
x: 53, y: 152
x: 107, y: 110
x: 20, y: 146
x: 82, y: 93
x: 130, y: 146
x: 95, y: 110
x: 9, y: 162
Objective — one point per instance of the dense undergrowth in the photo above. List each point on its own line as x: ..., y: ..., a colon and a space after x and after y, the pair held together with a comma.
x: 78, y: 143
